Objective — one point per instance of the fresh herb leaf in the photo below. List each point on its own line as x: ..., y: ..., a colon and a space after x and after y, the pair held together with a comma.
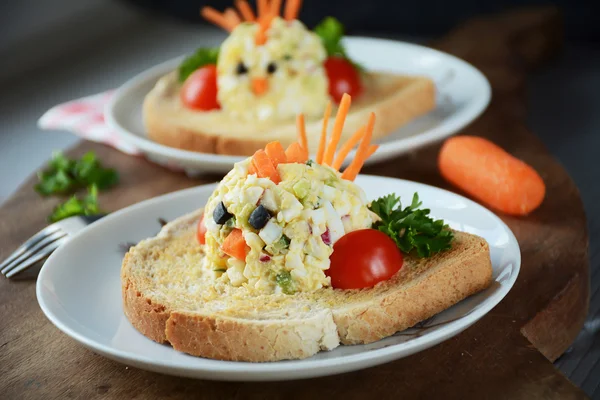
x: 199, y: 59
x: 331, y: 32
x: 411, y: 228
x: 220, y: 270
x: 65, y: 176
x: 76, y: 206
x: 285, y: 281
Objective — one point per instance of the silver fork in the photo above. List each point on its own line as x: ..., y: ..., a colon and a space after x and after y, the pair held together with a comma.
x: 43, y: 243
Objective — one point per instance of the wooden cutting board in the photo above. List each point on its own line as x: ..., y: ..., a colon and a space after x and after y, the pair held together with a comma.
x: 507, y: 354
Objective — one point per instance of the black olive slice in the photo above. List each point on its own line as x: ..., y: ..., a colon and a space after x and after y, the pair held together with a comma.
x: 241, y: 68
x: 221, y: 215
x: 271, y: 68
x: 259, y: 217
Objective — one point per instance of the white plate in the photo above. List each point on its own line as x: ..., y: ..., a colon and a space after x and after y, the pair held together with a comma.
x: 462, y: 94
x: 79, y: 290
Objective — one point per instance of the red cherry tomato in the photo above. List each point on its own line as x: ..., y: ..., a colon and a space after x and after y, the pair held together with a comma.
x: 199, y: 90
x: 362, y: 258
x: 201, y: 231
x: 343, y: 78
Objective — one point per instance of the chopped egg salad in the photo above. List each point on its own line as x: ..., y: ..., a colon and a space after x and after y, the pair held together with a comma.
x: 289, y: 228
x: 275, y: 80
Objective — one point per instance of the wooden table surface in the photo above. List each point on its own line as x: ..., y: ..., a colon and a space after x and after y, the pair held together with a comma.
x: 507, y: 354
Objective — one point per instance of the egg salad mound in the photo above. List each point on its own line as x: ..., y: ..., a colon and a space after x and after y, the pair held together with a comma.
x: 289, y: 228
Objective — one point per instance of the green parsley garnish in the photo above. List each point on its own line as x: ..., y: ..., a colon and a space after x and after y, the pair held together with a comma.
x: 199, y: 59
x: 411, y: 228
x: 65, y: 176
x: 331, y: 32
x: 76, y: 206
x: 284, y: 280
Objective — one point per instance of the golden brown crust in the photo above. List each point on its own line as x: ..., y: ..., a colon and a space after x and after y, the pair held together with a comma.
x: 395, y: 99
x: 313, y: 322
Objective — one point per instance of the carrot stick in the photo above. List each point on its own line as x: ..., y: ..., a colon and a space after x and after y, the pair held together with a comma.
x: 295, y: 153
x: 301, y: 131
x: 261, y: 8
x: 275, y: 7
x: 261, y: 33
x: 232, y: 16
x: 245, y: 10
x: 212, y: 15
x: 235, y: 245
x: 276, y: 153
x: 338, y: 126
x: 372, y: 149
x: 292, y: 8
x: 353, y: 169
x: 491, y: 175
x: 265, y: 167
x: 252, y: 169
x: 323, y: 138
x: 350, y: 143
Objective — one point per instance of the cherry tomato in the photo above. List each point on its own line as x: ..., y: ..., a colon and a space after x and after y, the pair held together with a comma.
x: 343, y: 78
x: 362, y: 258
x: 199, y: 90
x: 201, y: 231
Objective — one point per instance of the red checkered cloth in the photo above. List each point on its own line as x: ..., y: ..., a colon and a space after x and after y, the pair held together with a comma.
x: 85, y: 118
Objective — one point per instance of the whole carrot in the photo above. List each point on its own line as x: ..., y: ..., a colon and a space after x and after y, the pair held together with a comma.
x: 491, y: 175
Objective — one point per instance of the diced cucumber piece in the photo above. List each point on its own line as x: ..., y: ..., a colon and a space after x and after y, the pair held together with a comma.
x: 285, y: 281
x: 301, y: 188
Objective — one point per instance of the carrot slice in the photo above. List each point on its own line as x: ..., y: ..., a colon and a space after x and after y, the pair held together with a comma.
x: 265, y: 167
x: 353, y: 169
x: 276, y: 153
x: 295, y: 153
x: 338, y: 126
x: 232, y: 16
x: 245, y: 10
x: 261, y: 33
x: 323, y: 139
x: 350, y: 143
x: 235, y: 245
x: 252, y: 169
x: 262, y: 8
x: 212, y: 15
x: 292, y: 7
x: 301, y: 127
x: 275, y: 7
x: 491, y: 175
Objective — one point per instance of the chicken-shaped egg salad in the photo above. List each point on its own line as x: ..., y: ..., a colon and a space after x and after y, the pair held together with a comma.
x: 270, y: 68
x: 271, y: 224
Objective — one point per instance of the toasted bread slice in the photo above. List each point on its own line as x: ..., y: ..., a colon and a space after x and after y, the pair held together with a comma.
x: 396, y: 99
x: 169, y: 297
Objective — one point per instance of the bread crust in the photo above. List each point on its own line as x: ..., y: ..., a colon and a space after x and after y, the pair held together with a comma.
x: 418, y: 291
x: 395, y: 99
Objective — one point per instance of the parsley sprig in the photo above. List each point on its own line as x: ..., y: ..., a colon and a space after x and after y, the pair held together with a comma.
x: 87, y: 205
x: 411, y: 228
x: 331, y: 32
x: 199, y: 59
x: 65, y: 176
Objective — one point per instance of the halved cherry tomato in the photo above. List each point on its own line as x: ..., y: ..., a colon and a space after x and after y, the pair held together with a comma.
x: 362, y: 258
x: 201, y: 231
x: 199, y: 90
x: 343, y: 78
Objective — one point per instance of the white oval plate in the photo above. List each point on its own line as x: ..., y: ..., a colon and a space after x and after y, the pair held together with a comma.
x: 462, y: 94
x: 79, y: 290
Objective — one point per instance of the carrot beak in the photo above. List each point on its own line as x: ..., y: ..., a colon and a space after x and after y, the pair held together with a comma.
x: 260, y: 86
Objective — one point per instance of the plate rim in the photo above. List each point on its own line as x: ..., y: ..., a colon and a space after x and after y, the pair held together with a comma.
x: 388, y: 149
x: 289, y: 369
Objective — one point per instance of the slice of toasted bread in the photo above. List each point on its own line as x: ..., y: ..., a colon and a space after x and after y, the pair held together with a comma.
x: 396, y: 99
x: 169, y: 297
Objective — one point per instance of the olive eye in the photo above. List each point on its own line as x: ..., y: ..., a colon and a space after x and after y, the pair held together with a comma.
x: 271, y: 68
x: 241, y: 68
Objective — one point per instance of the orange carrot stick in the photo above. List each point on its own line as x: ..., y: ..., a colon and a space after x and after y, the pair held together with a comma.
x: 295, y: 153
x: 292, y: 8
x: 235, y: 245
x: 276, y: 153
x: 262, y: 8
x: 265, y: 167
x: 212, y: 15
x: 275, y: 7
x: 245, y: 10
x: 261, y: 33
x: 252, y: 169
x: 349, y: 145
x: 353, y: 169
x: 338, y: 126
x: 323, y: 139
x: 491, y: 175
x: 372, y: 149
x: 232, y: 16
x: 301, y: 131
